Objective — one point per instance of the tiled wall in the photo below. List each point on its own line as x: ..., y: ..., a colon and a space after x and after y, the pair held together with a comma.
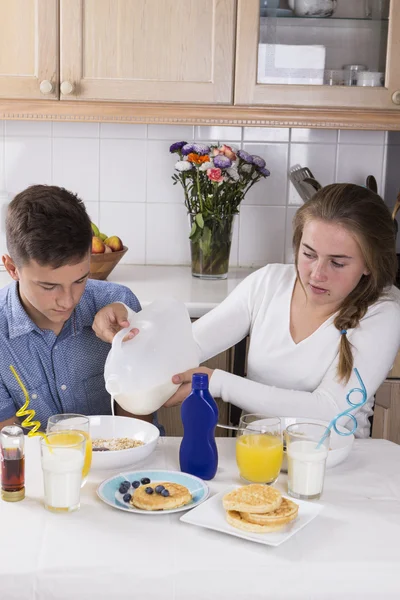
x: 123, y: 173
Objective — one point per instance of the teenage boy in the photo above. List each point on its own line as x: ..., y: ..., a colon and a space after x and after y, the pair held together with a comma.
x: 56, y: 325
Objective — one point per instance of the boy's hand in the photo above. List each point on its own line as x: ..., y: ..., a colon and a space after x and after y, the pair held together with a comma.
x: 109, y: 320
x: 185, y: 379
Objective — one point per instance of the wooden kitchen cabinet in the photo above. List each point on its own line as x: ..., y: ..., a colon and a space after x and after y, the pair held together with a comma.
x: 147, y: 50
x: 29, y: 49
x: 288, y: 60
x: 386, y: 423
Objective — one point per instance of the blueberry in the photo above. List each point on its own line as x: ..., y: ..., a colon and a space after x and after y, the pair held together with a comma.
x: 127, y: 483
x: 127, y: 497
x: 159, y: 489
x: 135, y: 484
x: 149, y: 490
x: 165, y: 493
x: 123, y: 488
x: 145, y: 481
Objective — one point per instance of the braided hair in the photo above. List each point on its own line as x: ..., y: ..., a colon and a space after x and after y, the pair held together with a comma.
x: 365, y: 215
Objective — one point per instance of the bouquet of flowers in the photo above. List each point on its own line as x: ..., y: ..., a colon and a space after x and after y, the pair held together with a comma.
x: 215, y: 179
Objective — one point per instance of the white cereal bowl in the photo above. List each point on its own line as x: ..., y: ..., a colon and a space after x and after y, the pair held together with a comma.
x: 107, y: 427
x: 339, y: 446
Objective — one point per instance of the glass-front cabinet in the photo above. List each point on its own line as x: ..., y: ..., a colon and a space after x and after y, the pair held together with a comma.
x: 320, y: 53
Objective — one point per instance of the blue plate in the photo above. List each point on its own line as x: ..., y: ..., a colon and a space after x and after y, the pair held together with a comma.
x: 108, y: 489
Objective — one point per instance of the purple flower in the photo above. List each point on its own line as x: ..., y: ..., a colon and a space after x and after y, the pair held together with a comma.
x: 177, y: 146
x: 201, y: 149
x: 245, y: 156
x: 222, y: 162
x: 265, y: 172
x: 187, y: 149
x: 258, y: 161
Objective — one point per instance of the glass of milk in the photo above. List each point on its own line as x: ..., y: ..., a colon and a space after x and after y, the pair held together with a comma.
x: 306, y: 462
x: 62, y: 464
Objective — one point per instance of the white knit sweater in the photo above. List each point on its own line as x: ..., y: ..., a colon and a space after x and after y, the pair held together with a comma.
x: 288, y: 379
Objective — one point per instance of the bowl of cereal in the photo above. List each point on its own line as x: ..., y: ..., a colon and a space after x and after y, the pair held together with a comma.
x: 120, y: 442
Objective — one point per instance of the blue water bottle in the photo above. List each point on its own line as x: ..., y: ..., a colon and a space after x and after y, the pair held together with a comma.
x: 198, y: 454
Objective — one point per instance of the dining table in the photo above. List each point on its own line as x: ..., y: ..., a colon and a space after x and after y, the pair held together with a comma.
x: 351, y: 550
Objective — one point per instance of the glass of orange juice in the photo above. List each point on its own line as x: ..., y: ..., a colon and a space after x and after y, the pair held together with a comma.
x: 259, y: 448
x: 67, y: 426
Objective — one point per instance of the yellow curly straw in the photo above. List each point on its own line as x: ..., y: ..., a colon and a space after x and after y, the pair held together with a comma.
x: 24, y: 412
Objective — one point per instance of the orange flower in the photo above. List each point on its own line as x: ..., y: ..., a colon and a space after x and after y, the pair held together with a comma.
x: 197, y: 159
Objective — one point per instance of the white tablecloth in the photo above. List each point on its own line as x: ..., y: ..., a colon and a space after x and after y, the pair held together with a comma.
x: 351, y: 551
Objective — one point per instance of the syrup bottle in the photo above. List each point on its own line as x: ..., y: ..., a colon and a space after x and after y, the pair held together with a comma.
x: 12, y: 458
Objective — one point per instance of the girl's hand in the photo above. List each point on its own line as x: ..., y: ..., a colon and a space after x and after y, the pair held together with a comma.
x: 185, y: 381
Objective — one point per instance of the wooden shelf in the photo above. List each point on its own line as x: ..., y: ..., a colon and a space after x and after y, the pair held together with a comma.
x: 175, y: 113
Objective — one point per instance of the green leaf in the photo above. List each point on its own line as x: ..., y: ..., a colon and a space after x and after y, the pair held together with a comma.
x: 192, y: 231
x: 200, y: 220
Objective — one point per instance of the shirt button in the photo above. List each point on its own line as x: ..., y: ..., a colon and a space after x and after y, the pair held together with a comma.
x: 63, y: 387
x: 34, y: 396
x: 55, y: 347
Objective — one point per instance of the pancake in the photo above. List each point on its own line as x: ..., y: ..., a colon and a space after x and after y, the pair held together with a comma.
x: 235, y: 519
x: 253, y: 498
x: 286, y: 513
x: 179, y: 495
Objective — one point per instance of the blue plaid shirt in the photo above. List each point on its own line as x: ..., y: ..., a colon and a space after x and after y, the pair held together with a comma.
x: 64, y: 373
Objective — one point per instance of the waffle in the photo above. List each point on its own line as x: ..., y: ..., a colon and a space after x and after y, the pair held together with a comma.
x: 179, y: 495
x: 235, y: 519
x: 281, y: 516
x: 254, y: 498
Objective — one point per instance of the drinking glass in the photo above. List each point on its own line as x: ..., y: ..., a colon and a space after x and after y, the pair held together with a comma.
x: 306, y: 459
x: 259, y: 448
x: 68, y: 425
x: 62, y: 464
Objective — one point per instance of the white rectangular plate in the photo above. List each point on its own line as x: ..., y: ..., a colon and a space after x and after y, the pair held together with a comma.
x: 211, y: 514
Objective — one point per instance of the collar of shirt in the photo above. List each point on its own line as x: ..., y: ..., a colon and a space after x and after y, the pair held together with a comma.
x: 19, y: 322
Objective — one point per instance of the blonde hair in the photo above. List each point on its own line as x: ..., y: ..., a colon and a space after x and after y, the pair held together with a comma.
x: 365, y: 215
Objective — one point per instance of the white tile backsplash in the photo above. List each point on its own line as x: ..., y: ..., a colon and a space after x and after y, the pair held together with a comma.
x: 76, y: 130
x: 122, y: 170
x: 123, y: 173
x: 93, y: 210
x: 167, y: 233
x: 25, y: 128
x: 291, y: 211
x: 124, y: 131
x: 76, y: 166
x: 319, y: 158
x: 27, y: 162
x: 361, y: 137
x: 315, y: 136
x: 355, y: 163
x: 217, y: 134
x: 266, y: 134
x: 261, y: 235
x: 271, y: 190
x: 127, y: 221
x: 159, y: 171
x: 176, y: 133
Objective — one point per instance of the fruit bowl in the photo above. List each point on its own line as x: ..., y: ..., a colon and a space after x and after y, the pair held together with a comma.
x: 101, y: 265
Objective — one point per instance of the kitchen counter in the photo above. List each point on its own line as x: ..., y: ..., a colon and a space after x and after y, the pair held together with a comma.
x: 150, y: 282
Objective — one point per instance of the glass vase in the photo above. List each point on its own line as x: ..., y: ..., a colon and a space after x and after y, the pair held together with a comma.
x: 210, y: 246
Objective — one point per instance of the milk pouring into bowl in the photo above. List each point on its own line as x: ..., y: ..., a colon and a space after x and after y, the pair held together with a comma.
x: 138, y: 372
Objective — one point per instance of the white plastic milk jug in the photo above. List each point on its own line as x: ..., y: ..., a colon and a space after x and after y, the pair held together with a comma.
x: 138, y: 372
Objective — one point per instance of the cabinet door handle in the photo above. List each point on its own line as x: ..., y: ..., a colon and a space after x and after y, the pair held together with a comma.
x: 396, y: 97
x: 66, y: 88
x: 46, y: 87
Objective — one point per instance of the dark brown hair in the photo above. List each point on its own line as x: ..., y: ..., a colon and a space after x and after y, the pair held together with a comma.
x: 47, y: 224
x: 365, y: 215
